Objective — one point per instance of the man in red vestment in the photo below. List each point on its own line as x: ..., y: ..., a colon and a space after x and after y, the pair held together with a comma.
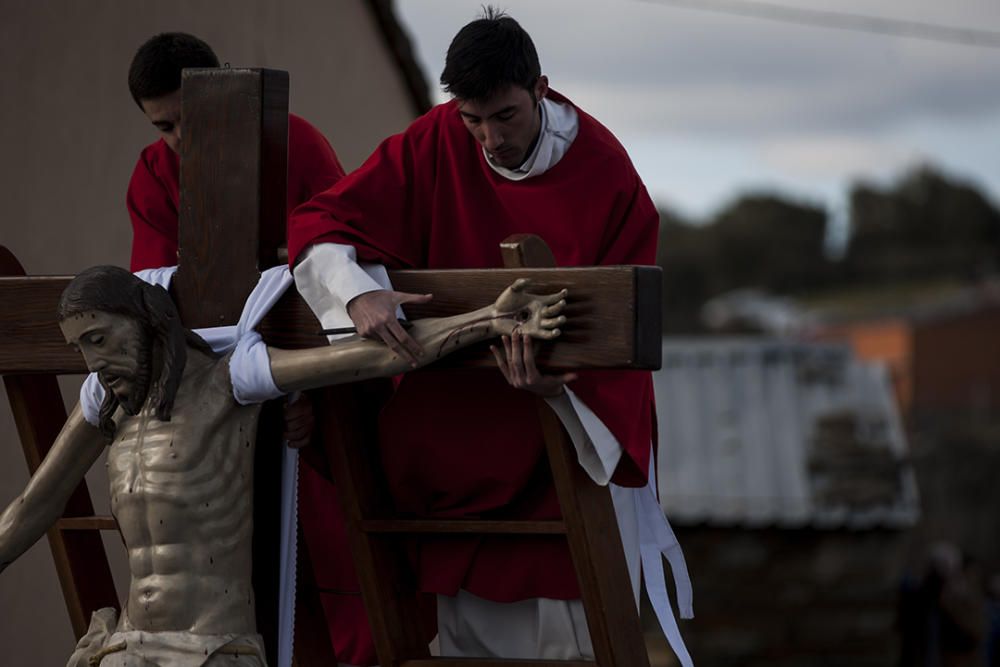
x: 155, y: 81
x: 507, y: 155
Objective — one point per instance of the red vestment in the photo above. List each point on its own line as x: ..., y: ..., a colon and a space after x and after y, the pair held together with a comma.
x: 152, y: 202
x: 154, y: 189
x: 464, y: 443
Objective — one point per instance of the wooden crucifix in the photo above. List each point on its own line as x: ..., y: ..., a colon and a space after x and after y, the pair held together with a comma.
x: 232, y: 190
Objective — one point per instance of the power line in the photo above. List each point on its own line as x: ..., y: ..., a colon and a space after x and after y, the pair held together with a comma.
x: 842, y: 21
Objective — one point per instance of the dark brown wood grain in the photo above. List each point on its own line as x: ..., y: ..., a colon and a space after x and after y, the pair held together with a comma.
x: 351, y: 441
x: 232, y: 188
x: 591, y: 525
x: 87, y: 523
x: 30, y: 339
x: 596, y: 547
x: 605, y: 330
x: 602, y: 331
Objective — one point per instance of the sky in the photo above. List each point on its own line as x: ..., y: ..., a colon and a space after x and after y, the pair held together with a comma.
x: 710, y: 106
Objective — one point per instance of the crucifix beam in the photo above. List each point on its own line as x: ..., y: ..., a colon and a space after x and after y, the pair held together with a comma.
x: 232, y: 205
x: 613, y: 312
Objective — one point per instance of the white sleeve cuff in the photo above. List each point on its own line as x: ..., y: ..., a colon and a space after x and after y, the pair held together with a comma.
x: 328, y: 277
x: 333, y: 268
x: 250, y: 371
x: 597, y: 449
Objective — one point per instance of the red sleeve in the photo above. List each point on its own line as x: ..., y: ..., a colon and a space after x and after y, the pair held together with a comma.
x: 154, y: 218
x: 624, y: 399
x: 312, y: 163
x: 370, y: 208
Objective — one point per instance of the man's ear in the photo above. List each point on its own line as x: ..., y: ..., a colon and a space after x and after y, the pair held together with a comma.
x: 541, y: 87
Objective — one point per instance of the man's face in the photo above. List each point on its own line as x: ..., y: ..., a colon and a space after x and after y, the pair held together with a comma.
x: 117, y: 349
x: 507, y: 124
x: 165, y: 114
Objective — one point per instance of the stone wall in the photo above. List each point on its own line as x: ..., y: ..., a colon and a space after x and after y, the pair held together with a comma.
x: 792, y: 597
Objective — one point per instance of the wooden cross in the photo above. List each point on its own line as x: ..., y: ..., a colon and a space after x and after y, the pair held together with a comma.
x: 233, y: 167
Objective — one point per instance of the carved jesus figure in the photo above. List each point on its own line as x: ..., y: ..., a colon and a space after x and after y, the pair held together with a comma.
x: 181, y: 458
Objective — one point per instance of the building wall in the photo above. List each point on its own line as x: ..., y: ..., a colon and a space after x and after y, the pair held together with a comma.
x: 70, y: 135
x: 888, y: 341
x: 956, y: 365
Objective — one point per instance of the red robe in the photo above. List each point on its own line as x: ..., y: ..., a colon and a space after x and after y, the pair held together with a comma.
x: 154, y: 189
x: 465, y: 444
x: 152, y: 204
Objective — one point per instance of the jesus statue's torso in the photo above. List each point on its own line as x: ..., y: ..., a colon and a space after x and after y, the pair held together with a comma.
x: 182, y: 494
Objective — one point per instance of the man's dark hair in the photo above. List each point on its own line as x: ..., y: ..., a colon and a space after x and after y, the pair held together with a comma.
x: 488, y: 55
x: 111, y: 289
x: 156, y: 68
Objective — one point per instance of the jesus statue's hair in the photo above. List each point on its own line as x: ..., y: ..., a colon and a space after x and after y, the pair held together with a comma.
x: 111, y: 289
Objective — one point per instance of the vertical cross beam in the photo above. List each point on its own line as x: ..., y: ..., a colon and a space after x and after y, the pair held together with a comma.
x: 589, y: 516
x: 234, y: 157
x: 234, y: 153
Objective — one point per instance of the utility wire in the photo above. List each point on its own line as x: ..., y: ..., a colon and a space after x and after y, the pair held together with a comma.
x: 842, y: 21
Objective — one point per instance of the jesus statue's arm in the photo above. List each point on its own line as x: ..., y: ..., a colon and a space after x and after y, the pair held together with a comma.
x: 354, y: 359
x: 42, y: 502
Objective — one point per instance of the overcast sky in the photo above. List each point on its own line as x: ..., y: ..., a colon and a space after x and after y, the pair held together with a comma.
x: 712, y: 105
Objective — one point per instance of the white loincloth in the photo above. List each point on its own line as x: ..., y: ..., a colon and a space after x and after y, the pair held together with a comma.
x: 137, y: 648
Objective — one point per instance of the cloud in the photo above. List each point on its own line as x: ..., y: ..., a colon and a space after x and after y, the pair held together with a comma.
x: 830, y: 157
x: 660, y: 68
x: 709, y: 105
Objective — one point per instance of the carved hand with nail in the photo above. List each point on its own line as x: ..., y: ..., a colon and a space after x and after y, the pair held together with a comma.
x: 534, y: 317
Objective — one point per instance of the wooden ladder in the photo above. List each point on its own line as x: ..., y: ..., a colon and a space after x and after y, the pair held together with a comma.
x: 589, y: 524
x: 77, y: 549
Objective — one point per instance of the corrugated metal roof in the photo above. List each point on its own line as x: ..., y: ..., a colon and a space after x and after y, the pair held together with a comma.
x: 765, y: 432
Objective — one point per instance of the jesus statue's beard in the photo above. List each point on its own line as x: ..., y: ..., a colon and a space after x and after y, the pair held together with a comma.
x: 132, y: 402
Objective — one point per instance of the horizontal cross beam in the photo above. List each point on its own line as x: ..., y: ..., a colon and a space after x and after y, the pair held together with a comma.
x: 614, y: 316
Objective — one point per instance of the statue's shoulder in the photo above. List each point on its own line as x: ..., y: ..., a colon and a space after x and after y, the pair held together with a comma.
x: 206, y: 373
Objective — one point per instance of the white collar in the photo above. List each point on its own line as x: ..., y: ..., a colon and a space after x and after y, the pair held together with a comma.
x: 559, y: 127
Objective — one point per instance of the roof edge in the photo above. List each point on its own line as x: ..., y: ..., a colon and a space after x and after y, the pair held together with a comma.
x: 395, y: 37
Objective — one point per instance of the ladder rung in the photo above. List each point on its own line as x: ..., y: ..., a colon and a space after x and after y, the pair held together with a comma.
x: 486, y: 662
x: 87, y: 523
x: 467, y: 526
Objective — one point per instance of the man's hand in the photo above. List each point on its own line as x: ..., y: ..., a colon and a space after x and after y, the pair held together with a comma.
x: 374, y: 315
x: 517, y: 363
x: 300, y: 422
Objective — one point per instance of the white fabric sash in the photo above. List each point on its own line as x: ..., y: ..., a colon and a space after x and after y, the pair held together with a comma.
x: 642, y: 523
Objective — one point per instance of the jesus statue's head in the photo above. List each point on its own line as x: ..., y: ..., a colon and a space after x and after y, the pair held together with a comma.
x: 130, y: 334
